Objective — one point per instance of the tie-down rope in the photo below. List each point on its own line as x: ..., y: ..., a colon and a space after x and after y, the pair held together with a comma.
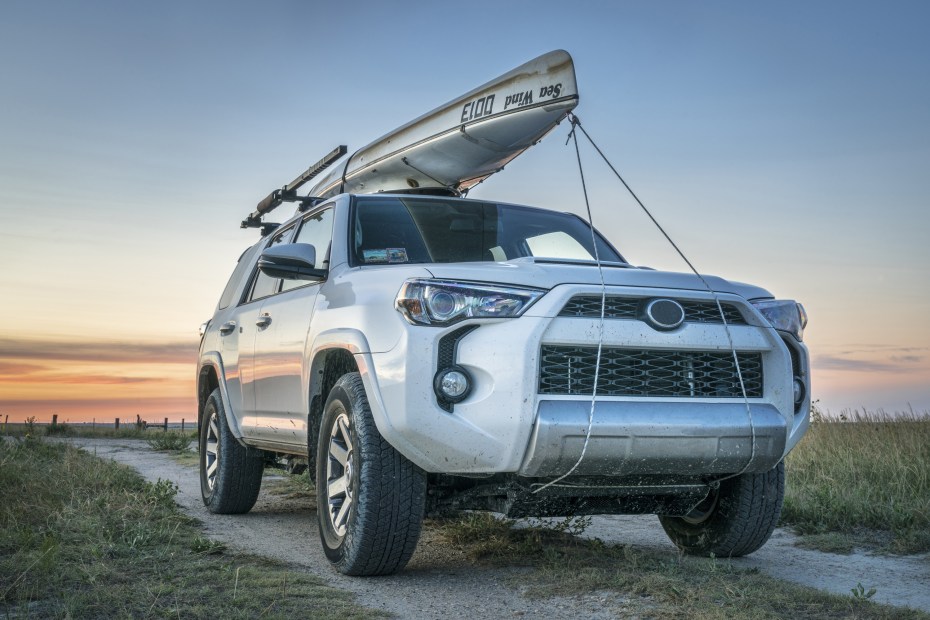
x: 576, y: 124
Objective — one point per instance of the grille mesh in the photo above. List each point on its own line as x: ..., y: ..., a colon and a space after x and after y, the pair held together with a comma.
x: 630, y: 308
x: 633, y: 372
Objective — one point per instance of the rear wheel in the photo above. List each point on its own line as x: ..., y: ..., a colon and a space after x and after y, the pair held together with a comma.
x: 370, y: 498
x: 230, y: 474
x: 735, y: 519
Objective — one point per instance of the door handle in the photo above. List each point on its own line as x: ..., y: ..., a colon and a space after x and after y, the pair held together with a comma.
x: 227, y: 328
x: 264, y: 320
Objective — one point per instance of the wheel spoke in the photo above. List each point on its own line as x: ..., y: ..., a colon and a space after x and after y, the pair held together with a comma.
x: 344, y: 429
x: 212, y: 447
x: 337, y: 487
x: 339, y: 474
x: 339, y: 520
x: 338, y: 452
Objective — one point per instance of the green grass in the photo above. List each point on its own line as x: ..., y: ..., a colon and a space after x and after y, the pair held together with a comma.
x: 291, y: 486
x: 172, y: 441
x: 656, y: 584
x: 128, y: 430
x: 862, y: 482
x: 85, y: 538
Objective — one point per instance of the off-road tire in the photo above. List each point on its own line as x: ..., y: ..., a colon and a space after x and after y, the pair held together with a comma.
x: 386, y: 492
x: 237, y: 476
x: 735, y: 520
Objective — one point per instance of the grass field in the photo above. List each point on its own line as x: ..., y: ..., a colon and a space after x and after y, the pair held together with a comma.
x: 85, y: 538
x: 126, y: 431
x: 862, y: 481
x: 655, y: 584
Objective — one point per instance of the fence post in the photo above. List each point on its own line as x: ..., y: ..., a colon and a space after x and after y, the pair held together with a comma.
x: 116, y: 425
x: 54, y: 420
x: 166, y: 425
x: 182, y: 425
x: 93, y: 425
x: 5, y: 421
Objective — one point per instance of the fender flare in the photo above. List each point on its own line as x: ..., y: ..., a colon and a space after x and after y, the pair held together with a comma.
x: 355, y: 342
x: 214, y: 360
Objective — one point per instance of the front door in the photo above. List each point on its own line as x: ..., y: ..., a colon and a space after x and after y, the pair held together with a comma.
x: 280, y: 364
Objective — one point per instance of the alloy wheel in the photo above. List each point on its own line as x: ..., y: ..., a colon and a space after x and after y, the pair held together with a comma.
x: 212, y: 451
x: 340, y: 491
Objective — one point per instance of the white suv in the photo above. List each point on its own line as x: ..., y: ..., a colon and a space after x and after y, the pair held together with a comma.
x: 428, y: 353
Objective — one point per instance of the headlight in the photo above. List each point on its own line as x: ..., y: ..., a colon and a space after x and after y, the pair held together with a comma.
x: 444, y: 302
x: 784, y: 315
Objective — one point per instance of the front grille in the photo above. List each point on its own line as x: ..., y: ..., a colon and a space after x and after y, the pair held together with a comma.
x: 631, y: 308
x: 634, y: 372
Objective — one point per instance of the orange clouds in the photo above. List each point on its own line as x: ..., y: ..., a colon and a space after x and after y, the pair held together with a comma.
x: 97, y: 350
x: 84, y: 380
x: 872, y: 376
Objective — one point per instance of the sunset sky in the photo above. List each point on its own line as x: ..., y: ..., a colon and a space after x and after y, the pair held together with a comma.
x: 785, y: 144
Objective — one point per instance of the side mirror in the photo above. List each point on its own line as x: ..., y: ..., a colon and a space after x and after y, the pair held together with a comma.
x: 291, y: 261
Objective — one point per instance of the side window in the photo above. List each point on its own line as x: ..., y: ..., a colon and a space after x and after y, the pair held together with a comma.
x: 264, y: 285
x: 238, y: 273
x: 317, y: 230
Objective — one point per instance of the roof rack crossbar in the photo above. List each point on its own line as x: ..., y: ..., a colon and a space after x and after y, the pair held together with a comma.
x: 288, y: 193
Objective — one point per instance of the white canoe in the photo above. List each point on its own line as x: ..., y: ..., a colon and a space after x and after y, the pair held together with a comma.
x: 461, y: 143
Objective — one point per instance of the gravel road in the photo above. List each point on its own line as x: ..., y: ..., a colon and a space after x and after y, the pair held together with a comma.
x: 439, y: 583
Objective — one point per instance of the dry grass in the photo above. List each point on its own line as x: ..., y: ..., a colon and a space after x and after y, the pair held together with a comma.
x: 654, y: 584
x: 862, y: 481
x: 85, y: 538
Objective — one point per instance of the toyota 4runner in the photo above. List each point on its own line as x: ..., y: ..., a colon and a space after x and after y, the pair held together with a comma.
x: 432, y: 353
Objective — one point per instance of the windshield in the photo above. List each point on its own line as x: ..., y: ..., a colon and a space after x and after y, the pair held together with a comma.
x: 393, y: 229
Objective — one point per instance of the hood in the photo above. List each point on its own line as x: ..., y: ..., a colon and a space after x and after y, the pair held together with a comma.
x: 547, y: 274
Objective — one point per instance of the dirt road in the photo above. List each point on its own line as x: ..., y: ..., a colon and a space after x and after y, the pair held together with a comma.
x: 439, y: 583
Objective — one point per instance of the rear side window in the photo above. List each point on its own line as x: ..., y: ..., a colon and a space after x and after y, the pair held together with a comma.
x: 236, y: 278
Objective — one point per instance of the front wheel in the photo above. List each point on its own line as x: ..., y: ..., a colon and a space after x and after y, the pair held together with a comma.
x: 370, y: 498
x: 230, y: 473
x: 735, y: 519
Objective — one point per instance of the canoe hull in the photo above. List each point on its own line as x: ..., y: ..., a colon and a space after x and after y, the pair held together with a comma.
x: 461, y: 143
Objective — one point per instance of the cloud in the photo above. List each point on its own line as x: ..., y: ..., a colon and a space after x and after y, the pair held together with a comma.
x: 98, y: 351
x: 907, y: 359
x: 58, y: 378
x: 18, y: 369
x: 853, y: 349
x: 151, y: 409
x: 894, y: 364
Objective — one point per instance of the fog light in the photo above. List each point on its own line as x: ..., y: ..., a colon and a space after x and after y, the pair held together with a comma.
x: 452, y: 384
x: 798, y: 391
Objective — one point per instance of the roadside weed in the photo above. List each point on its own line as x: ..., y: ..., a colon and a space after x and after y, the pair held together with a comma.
x: 860, y: 593
x: 83, y: 537
x: 865, y: 480
x: 172, y: 441
x: 656, y: 584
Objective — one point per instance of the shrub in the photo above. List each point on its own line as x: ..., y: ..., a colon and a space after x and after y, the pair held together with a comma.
x: 170, y: 442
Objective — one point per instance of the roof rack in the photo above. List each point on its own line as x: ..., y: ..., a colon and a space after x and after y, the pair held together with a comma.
x: 288, y: 193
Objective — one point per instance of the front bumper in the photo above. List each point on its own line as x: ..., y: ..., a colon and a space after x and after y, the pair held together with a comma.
x: 645, y: 438
x: 506, y: 426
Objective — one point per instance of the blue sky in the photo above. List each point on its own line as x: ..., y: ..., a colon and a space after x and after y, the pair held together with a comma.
x: 785, y: 144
